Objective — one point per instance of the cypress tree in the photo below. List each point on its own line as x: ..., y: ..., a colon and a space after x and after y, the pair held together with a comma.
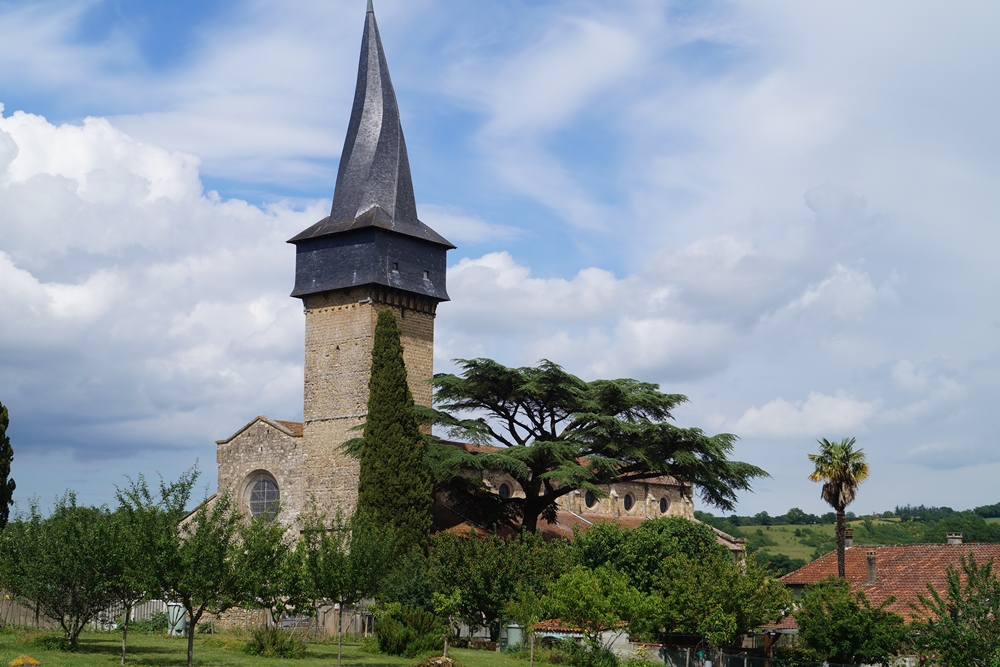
x: 394, y: 487
x: 6, y: 457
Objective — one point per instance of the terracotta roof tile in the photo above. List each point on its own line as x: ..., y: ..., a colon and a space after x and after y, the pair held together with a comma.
x: 294, y: 427
x: 902, y: 571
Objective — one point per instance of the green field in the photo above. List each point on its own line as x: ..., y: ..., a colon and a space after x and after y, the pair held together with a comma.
x: 784, y: 540
x: 98, y: 648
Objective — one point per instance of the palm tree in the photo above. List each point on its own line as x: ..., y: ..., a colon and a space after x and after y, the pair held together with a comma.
x: 841, y: 468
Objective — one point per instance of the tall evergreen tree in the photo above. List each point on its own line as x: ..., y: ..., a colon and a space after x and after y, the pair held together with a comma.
x: 394, y: 485
x: 6, y: 457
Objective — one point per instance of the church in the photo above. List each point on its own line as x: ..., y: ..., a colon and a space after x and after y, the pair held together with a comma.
x: 372, y: 253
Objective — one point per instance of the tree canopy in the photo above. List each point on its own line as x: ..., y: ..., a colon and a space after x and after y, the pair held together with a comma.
x: 842, y: 626
x: 555, y: 433
x: 7, y: 484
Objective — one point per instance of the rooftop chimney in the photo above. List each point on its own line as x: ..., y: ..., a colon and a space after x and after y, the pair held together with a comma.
x: 848, y: 538
x: 872, y: 572
x: 954, y: 538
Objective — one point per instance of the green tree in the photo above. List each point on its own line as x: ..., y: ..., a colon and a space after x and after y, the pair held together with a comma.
x: 59, y: 563
x: 557, y: 433
x: 143, y: 532
x: 842, y: 626
x: 960, y: 628
x: 7, y: 484
x: 841, y: 468
x: 199, y: 569
x: 595, y: 601
x: 394, y: 487
x: 640, y: 552
x: 715, y: 597
x: 526, y: 609
x: 272, y: 572
x: 488, y: 570
x: 447, y: 606
x: 346, y: 561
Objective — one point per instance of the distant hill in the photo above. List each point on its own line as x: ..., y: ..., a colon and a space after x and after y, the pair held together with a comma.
x: 788, y: 541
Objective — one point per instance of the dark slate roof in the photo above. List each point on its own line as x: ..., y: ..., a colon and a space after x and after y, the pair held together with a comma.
x: 374, y: 188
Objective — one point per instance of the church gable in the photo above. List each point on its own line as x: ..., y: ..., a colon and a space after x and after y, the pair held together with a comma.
x: 261, y: 465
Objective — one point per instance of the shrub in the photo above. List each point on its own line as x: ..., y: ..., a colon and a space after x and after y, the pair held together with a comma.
x: 47, y: 641
x: 275, y: 643
x: 157, y: 622
x: 409, y: 633
x: 581, y: 655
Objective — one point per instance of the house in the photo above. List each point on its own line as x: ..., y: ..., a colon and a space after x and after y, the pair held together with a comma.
x: 901, y: 572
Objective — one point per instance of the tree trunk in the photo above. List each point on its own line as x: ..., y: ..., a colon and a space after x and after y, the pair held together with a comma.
x: 529, y: 521
x: 531, y: 651
x: 190, y: 634
x: 446, y: 633
x: 340, y: 630
x: 128, y: 613
x: 841, y: 540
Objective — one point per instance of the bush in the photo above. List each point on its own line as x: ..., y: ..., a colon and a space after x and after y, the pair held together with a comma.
x: 580, y: 655
x: 369, y: 645
x: 47, y: 641
x: 409, y: 633
x: 157, y: 622
x: 275, y: 643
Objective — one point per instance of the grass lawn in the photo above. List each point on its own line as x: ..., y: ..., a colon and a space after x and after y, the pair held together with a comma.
x: 98, y: 648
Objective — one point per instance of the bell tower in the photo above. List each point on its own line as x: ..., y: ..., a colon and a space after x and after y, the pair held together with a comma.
x: 370, y: 253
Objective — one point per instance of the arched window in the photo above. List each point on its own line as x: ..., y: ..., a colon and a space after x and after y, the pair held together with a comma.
x: 504, y: 491
x: 590, y: 499
x: 628, y: 502
x: 664, y: 504
x: 262, y: 495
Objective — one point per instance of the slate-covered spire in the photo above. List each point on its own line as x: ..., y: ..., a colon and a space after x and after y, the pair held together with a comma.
x: 373, y: 181
x: 372, y: 236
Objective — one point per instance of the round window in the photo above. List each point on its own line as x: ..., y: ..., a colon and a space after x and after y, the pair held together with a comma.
x: 504, y: 491
x: 628, y: 501
x: 664, y: 504
x: 263, y: 495
x: 590, y: 499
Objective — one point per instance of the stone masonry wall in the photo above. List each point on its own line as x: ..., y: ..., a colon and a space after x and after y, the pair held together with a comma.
x: 645, y: 496
x: 340, y: 328
x: 261, y: 446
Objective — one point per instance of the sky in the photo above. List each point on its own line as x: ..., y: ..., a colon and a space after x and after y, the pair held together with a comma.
x: 786, y: 211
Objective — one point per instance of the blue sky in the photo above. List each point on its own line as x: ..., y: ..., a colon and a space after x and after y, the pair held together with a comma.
x: 785, y: 210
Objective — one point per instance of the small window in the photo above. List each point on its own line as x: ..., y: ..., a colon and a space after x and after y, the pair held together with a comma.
x: 395, y: 267
x: 590, y: 499
x: 504, y: 491
x: 628, y: 502
x: 427, y: 275
x: 664, y: 504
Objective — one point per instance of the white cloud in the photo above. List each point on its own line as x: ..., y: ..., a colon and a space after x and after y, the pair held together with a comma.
x: 908, y: 376
x: 460, y: 228
x: 819, y: 415
x: 160, y: 303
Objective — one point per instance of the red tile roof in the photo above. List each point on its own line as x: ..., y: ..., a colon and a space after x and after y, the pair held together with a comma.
x: 294, y: 427
x: 902, y: 571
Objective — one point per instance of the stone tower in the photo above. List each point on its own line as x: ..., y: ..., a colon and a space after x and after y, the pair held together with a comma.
x: 370, y: 253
